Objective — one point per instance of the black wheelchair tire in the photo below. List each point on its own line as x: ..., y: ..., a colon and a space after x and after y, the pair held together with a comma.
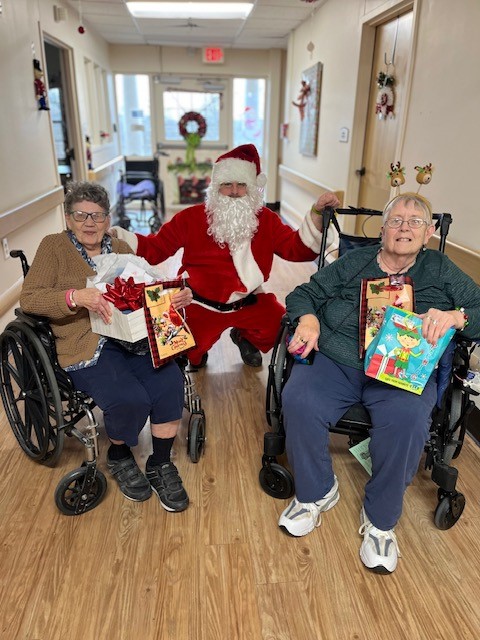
x: 455, y: 413
x: 25, y: 363
x: 448, y: 511
x: 196, y: 436
x: 276, y: 481
x: 275, y: 383
x: 68, y: 491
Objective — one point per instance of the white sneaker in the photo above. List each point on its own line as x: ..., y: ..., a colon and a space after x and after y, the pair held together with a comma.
x: 300, y: 518
x: 379, y: 551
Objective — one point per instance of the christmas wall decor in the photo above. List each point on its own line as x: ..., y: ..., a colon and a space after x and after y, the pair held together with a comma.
x: 192, y: 138
x: 40, y: 91
x: 385, y: 96
x: 312, y: 78
x: 302, y: 98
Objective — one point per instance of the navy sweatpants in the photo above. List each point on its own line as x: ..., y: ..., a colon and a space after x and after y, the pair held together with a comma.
x: 317, y: 396
x: 128, y: 390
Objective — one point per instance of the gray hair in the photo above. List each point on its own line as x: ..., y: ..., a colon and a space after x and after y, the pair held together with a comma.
x: 419, y: 202
x: 89, y: 191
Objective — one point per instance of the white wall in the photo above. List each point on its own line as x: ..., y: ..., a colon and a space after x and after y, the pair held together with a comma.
x: 441, y: 123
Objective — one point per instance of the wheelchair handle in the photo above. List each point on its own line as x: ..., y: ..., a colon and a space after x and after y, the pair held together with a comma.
x: 18, y: 253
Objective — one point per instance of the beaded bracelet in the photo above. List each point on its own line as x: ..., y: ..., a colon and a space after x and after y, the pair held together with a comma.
x: 465, y: 317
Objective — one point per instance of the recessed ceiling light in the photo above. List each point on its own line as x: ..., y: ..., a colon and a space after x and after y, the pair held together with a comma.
x: 198, y: 10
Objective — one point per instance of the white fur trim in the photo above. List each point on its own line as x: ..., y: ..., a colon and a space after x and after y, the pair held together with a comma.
x: 309, y: 234
x: 247, y: 269
x: 234, y: 170
x: 129, y: 237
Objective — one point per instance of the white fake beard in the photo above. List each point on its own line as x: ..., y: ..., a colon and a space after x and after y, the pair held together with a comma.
x: 232, y: 221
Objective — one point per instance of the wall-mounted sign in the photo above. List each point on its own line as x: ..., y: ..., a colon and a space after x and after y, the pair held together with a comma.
x: 213, y: 55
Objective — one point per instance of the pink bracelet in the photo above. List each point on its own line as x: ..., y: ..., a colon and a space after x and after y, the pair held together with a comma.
x: 69, y: 299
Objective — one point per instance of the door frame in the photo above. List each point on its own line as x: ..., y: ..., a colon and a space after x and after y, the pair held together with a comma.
x: 369, y: 23
x: 72, y: 114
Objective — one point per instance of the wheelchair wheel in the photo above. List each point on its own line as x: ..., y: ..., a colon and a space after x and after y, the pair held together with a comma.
x: 278, y: 368
x: 30, y: 394
x: 196, y: 436
x: 455, y: 413
x: 70, y: 496
x: 276, y: 481
x: 449, y: 510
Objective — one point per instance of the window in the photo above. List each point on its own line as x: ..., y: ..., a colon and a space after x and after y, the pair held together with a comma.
x: 134, y: 118
x: 177, y: 103
x: 99, y: 125
x: 249, y: 112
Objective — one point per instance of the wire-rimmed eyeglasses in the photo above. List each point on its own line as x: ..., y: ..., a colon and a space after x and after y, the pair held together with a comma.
x: 96, y: 216
x: 413, y: 223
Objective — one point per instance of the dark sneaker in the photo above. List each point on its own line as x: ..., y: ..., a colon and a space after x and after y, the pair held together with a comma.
x: 131, y: 480
x: 250, y: 354
x: 167, y: 484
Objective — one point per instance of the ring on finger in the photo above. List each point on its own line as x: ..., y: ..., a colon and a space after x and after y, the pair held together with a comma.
x: 434, y: 321
x: 302, y: 340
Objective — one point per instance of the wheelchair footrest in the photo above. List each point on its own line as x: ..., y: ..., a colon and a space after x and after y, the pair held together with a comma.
x: 444, y: 476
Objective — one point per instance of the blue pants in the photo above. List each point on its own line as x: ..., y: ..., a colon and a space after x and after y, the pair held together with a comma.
x: 128, y: 390
x: 317, y: 396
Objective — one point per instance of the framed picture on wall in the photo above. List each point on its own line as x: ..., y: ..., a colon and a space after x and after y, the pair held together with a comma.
x: 309, y: 126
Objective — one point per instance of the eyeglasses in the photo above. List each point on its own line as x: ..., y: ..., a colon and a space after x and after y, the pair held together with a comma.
x: 96, y: 216
x: 413, y: 223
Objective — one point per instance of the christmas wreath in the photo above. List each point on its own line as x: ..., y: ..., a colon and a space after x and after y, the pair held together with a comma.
x: 193, y: 138
x: 192, y: 116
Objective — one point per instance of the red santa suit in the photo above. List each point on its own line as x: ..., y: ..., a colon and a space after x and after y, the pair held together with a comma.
x: 226, y: 280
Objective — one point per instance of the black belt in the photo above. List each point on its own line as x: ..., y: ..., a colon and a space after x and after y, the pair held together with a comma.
x: 226, y: 306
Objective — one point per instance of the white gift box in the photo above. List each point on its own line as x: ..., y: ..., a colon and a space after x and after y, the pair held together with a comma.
x: 129, y: 326
x: 124, y: 326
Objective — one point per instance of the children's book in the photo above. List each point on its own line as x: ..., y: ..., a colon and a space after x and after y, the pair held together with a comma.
x: 399, y: 355
x: 375, y: 296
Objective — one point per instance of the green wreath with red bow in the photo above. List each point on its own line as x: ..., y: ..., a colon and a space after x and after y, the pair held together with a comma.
x: 192, y: 138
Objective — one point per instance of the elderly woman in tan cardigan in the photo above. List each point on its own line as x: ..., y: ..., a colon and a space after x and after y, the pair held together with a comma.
x: 122, y: 383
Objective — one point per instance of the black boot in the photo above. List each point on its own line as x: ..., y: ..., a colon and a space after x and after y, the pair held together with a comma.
x: 250, y: 354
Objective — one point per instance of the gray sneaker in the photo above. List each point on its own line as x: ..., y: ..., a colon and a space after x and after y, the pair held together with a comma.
x: 130, y: 479
x: 300, y: 518
x: 379, y: 550
x: 167, y: 484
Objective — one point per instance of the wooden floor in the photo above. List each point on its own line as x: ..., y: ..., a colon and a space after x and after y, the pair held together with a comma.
x: 222, y: 570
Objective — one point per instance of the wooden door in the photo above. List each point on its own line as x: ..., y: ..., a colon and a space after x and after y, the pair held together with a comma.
x: 392, y: 40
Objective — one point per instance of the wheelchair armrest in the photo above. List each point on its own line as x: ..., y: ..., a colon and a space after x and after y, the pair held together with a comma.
x: 31, y: 320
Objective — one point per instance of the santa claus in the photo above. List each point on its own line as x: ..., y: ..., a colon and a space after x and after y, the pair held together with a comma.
x: 228, y: 247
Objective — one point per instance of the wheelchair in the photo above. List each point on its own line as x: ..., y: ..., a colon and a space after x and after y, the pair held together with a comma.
x: 140, y: 181
x: 449, y: 418
x: 42, y: 407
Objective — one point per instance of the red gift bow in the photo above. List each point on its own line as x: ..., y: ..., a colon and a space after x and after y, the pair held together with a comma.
x: 125, y: 294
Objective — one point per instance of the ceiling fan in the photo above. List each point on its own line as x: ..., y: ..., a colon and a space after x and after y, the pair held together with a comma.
x: 188, y: 24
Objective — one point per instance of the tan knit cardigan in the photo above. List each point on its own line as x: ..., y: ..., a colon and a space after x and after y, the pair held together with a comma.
x: 57, y: 267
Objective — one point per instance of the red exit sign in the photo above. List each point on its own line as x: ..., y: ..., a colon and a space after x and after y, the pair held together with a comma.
x: 213, y: 55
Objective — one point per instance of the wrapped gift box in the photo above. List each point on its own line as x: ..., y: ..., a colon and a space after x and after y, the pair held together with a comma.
x: 126, y: 325
x: 399, y: 355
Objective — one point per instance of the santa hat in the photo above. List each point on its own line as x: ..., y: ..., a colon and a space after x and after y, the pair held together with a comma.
x: 242, y: 164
